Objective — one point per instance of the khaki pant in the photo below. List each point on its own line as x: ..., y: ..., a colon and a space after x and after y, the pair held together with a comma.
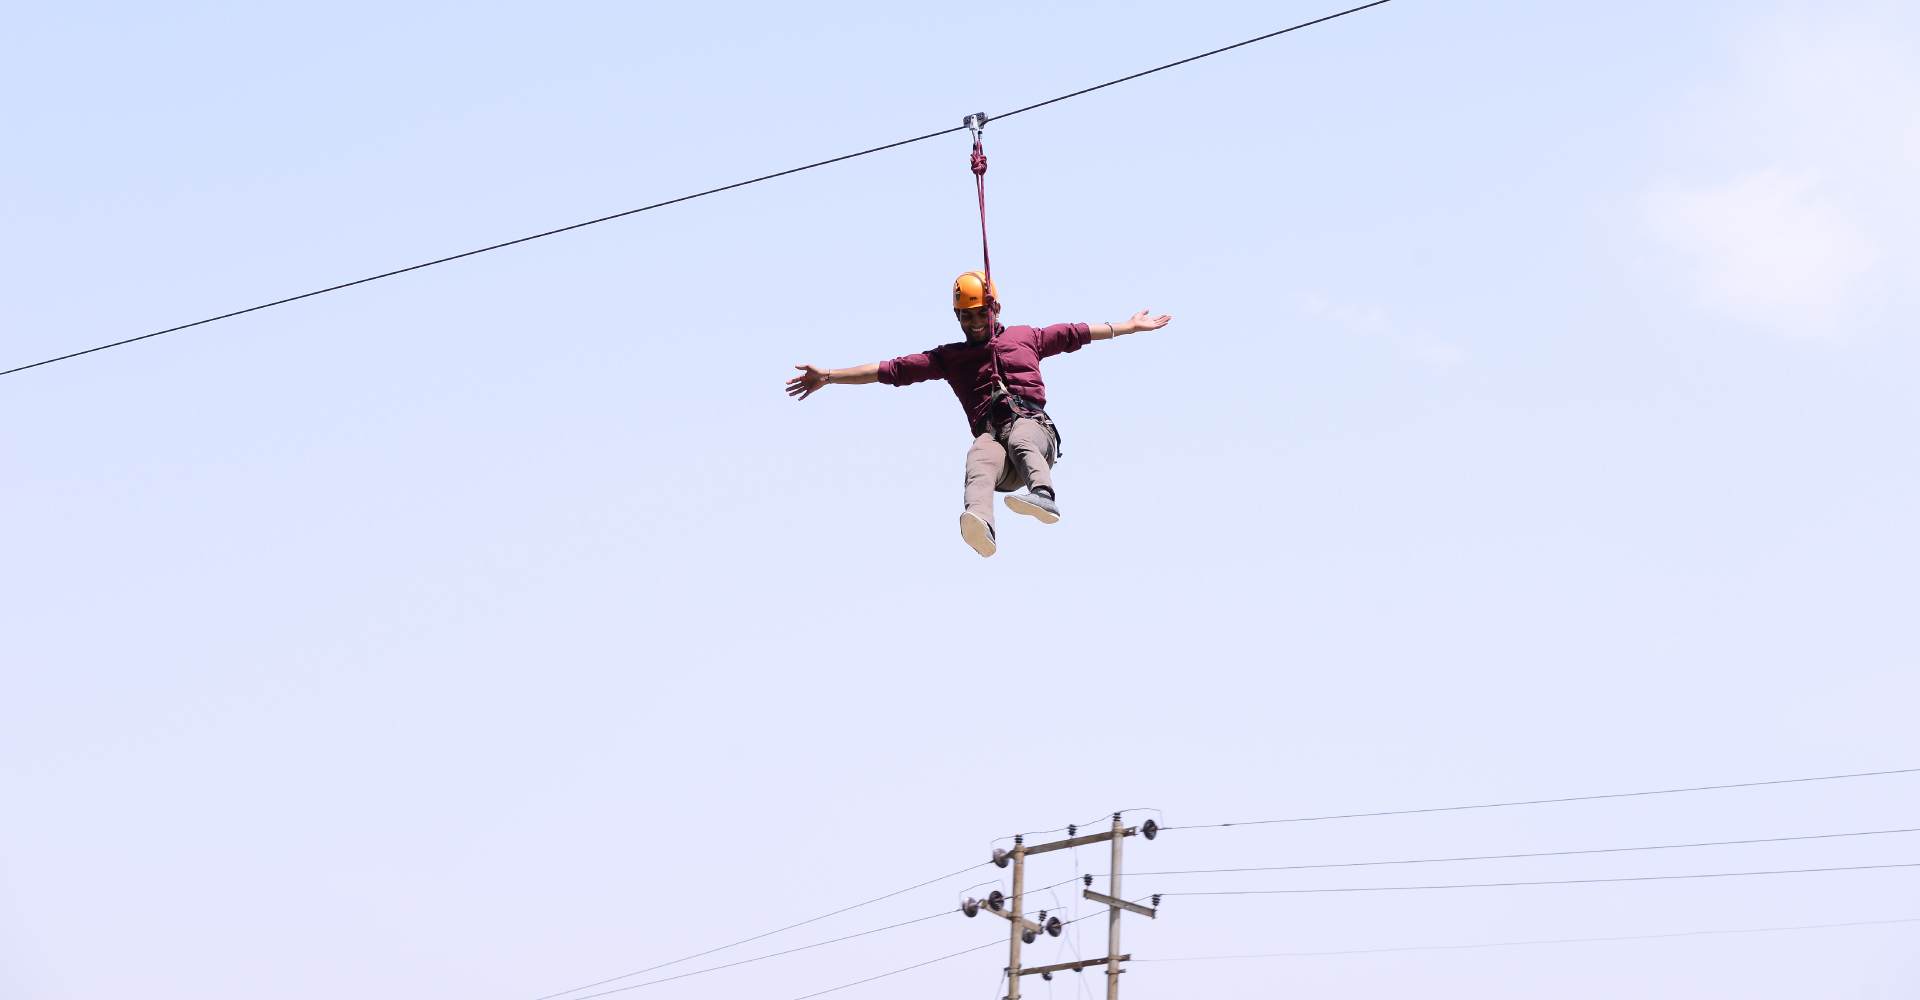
x: 1020, y: 450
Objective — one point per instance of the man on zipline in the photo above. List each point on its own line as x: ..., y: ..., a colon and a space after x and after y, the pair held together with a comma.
x: 995, y: 373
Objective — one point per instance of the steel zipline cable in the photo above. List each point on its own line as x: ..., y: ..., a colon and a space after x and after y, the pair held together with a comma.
x: 675, y: 201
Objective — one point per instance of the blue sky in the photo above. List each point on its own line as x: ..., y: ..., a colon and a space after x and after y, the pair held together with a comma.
x: 1536, y: 420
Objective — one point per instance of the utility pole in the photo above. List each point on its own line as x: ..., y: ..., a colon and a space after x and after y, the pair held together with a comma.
x: 1017, y: 932
x: 1024, y: 931
x: 1113, y: 916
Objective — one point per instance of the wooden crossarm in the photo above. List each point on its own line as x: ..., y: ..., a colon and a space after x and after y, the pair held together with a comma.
x: 1070, y: 966
x: 1092, y: 838
x: 1121, y: 903
x: 1024, y: 922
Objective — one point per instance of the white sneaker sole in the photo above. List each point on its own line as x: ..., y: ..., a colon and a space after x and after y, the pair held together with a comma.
x: 977, y: 534
x: 1019, y: 505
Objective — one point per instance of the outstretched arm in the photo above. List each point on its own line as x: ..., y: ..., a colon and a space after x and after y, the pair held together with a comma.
x: 813, y: 378
x: 1140, y: 322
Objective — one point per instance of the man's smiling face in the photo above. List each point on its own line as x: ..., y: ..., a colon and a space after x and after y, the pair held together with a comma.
x: 977, y: 323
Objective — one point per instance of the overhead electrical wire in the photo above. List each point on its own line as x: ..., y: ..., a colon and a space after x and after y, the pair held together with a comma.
x: 1452, y: 947
x: 1372, y: 951
x: 770, y: 933
x: 1398, y: 812
x: 1480, y: 885
x: 1503, y: 885
x: 688, y: 197
x: 1537, y: 854
x: 762, y: 958
x: 910, y: 968
x: 929, y: 961
x: 789, y: 951
x: 1080, y: 986
x: 1516, y: 944
x: 1542, y: 802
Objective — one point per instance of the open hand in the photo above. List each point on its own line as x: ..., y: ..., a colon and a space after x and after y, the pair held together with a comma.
x: 1141, y: 322
x: 811, y: 379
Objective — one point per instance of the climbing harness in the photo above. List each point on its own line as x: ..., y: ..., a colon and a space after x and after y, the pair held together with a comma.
x: 1003, y: 404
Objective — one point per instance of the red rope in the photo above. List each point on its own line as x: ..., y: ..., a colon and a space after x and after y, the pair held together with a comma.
x: 980, y: 185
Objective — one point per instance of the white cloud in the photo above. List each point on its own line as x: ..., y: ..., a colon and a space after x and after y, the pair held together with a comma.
x: 1803, y: 216
x: 1765, y: 248
x: 1372, y: 322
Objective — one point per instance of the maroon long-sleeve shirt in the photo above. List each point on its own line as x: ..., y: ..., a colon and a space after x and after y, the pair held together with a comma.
x: 969, y: 369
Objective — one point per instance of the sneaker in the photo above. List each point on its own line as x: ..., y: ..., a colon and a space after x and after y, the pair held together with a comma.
x: 1039, y: 505
x: 978, y: 533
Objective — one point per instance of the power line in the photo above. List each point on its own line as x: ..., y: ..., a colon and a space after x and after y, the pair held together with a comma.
x: 1370, y: 951
x: 1581, y: 798
x: 1540, y: 854
x: 917, y: 965
x: 757, y: 937
x: 789, y: 951
x: 910, y: 968
x: 1515, y: 944
x: 1502, y: 885
x: 762, y: 958
x: 1542, y: 802
x: 675, y: 201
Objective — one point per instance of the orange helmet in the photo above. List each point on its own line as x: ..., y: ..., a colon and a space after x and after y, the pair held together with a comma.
x: 966, y: 291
